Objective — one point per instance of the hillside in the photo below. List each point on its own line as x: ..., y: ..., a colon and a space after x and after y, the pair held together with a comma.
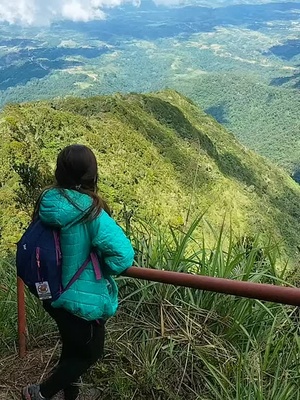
x: 265, y: 118
x: 161, y: 158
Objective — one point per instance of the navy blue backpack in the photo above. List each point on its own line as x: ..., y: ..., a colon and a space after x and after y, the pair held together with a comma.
x: 39, y: 261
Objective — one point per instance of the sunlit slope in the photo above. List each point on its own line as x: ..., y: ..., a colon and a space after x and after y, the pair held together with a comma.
x: 160, y: 158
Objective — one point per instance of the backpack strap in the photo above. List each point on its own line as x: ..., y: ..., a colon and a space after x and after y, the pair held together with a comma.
x: 96, y: 265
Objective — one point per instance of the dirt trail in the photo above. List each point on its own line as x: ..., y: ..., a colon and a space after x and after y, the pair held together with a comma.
x: 16, y: 373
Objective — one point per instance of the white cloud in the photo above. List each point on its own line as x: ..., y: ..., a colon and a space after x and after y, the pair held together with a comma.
x: 41, y: 12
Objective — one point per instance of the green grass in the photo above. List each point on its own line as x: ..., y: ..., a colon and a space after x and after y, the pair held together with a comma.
x: 171, y: 343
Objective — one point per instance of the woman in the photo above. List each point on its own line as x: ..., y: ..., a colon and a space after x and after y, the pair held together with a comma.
x: 81, y: 311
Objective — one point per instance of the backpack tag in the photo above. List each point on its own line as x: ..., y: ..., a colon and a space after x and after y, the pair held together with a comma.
x: 43, y: 290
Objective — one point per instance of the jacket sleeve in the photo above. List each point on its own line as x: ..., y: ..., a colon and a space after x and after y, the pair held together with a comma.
x: 112, y: 245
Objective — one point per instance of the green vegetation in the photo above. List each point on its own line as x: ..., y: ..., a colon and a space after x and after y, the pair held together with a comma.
x: 160, y: 158
x: 253, y: 111
x: 162, y: 163
x: 171, y: 343
x: 238, y: 60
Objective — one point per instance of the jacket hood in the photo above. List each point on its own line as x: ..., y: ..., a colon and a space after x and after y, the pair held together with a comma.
x: 62, y: 207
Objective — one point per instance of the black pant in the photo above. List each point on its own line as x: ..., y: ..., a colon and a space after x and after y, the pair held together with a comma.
x: 82, y: 346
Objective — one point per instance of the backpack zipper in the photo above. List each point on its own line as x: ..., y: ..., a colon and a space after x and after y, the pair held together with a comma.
x: 38, y: 262
x: 57, y: 248
x: 58, y: 258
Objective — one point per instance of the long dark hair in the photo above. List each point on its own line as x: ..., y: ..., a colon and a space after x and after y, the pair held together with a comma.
x: 76, y: 169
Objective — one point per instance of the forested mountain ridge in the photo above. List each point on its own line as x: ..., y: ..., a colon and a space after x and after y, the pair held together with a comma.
x: 160, y: 158
x: 265, y: 118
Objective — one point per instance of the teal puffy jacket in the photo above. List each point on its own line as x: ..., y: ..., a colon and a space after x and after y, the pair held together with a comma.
x: 87, y: 298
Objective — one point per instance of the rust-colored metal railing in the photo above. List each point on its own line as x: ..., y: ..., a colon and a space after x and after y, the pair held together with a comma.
x: 259, y: 291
